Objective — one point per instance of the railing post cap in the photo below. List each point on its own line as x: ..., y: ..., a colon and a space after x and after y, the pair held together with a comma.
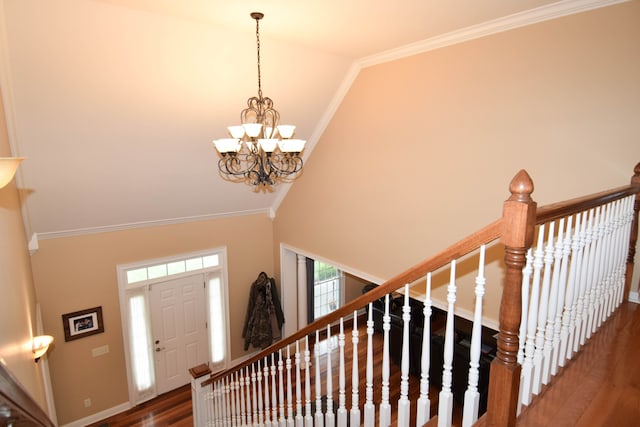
x: 521, y: 187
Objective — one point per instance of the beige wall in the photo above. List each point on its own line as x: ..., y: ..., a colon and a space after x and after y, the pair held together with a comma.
x: 18, y: 297
x: 422, y: 150
x: 76, y: 273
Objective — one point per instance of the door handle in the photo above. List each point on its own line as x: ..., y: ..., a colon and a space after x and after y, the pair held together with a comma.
x: 159, y: 349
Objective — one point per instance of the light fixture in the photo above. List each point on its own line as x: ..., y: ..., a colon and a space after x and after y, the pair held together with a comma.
x: 8, y: 167
x: 261, y: 152
x: 40, y: 345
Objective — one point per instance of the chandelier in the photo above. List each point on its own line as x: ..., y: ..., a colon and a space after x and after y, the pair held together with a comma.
x: 261, y: 152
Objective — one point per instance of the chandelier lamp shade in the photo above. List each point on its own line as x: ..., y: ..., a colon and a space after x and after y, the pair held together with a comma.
x: 260, y: 151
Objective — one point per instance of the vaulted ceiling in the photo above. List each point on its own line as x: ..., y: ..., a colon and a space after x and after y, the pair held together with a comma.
x: 115, y: 102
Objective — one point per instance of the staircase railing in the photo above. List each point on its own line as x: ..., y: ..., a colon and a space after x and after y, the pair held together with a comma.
x: 579, y: 280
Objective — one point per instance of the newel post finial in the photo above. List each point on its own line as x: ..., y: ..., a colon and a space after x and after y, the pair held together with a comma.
x: 518, y: 224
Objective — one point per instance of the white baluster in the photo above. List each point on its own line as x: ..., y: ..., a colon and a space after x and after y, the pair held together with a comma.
x: 212, y: 405
x: 527, y: 271
x: 341, y: 415
x: 576, y: 310
x: 329, y: 417
x: 299, y: 418
x: 602, y: 279
x: 471, y: 395
x: 617, y: 241
x: 234, y: 411
x: 534, y: 311
x: 227, y: 403
x: 213, y: 395
x: 424, y: 404
x: 217, y: 399
x: 618, y: 256
x: 445, y: 406
x: 385, y: 407
x: 543, y: 350
x: 274, y: 394
x: 308, y: 417
x: 403, y: 402
x: 569, y: 293
x: 553, y: 257
x: 243, y: 413
x: 354, y: 413
x: 369, y: 406
x: 559, y: 286
x: 249, y: 401
x: 290, y: 421
x: 260, y: 401
x: 282, y: 420
x: 267, y: 403
x: 528, y: 366
x: 585, y: 283
x: 525, y: 361
x: 594, y: 272
x: 626, y: 219
x: 254, y: 396
x: 319, y: 416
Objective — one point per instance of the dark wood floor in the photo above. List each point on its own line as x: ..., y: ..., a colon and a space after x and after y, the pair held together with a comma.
x: 169, y: 409
x: 599, y: 387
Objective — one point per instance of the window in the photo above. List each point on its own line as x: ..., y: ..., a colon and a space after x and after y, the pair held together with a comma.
x: 327, y: 290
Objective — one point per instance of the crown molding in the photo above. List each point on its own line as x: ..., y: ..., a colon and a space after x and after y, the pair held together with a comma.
x: 510, y: 22
x: 145, y: 224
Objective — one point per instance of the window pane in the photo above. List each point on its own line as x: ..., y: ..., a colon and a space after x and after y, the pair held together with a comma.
x: 326, y: 289
x: 211, y: 261
x: 139, y: 339
x: 194, y: 264
x: 176, y: 267
x: 138, y: 275
x: 216, y: 310
x: 157, y: 271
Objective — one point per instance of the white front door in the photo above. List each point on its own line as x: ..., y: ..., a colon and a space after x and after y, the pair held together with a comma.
x: 179, y: 330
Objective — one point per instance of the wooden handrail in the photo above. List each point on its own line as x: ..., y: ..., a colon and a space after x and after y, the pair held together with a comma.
x: 580, y: 204
x: 23, y: 410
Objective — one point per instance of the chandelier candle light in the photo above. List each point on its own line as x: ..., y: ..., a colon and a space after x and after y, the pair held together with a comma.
x: 261, y: 152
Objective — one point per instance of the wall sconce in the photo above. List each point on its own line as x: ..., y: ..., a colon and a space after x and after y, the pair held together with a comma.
x: 8, y: 167
x: 40, y: 345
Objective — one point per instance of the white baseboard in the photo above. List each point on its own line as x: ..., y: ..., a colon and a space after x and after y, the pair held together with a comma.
x: 99, y: 415
x: 634, y: 296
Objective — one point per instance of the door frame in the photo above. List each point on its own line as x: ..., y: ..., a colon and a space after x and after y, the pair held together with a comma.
x: 142, y: 288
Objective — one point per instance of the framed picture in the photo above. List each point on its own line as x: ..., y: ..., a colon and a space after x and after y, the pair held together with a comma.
x: 80, y: 324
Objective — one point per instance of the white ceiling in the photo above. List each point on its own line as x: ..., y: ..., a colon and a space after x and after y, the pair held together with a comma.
x: 115, y: 102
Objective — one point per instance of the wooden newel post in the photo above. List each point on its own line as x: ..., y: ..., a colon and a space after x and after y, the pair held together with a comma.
x: 518, y: 223
x: 633, y: 238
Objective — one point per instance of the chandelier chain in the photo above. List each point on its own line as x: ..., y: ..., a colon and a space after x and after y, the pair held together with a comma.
x: 258, y: 49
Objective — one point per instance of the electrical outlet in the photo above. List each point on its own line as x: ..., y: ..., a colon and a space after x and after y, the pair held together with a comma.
x: 87, y: 402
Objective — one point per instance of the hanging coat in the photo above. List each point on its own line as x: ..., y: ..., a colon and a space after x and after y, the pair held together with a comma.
x: 264, y: 318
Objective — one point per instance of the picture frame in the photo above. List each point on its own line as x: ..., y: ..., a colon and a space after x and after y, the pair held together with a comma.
x: 83, y: 323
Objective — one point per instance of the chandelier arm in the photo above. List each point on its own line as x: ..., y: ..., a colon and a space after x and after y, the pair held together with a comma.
x: 285, y: 164
x: 231, y: 164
